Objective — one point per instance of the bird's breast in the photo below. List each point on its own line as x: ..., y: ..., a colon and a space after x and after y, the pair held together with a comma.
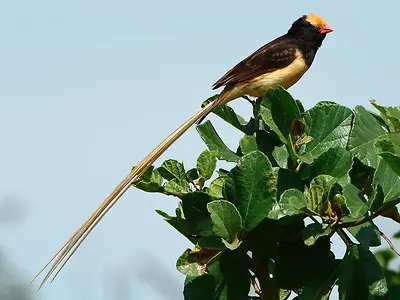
x: 285, y: 77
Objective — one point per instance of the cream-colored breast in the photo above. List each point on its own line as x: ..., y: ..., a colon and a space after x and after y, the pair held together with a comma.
x: 258, y: 86
x: 285, y: 77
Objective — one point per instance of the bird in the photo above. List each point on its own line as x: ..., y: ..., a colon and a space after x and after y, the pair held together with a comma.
x: 279, y: 63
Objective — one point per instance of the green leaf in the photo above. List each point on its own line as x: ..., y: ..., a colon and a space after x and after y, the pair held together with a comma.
x: 363, y: 136
x: 194, y: 207
x: 206, y: 164
x: 297, y: 264
x: 181, y: 225
x: 281, y: 156
x: 361, y: 276
x: 388, y: 148
x: 318, y: 194
x: 391, y: 113
x: 216, y: 187
x: 227, y: 114
x: 388, y: 180
x: 177, y: 187
x: 234, y: 280
x: 192, y: 174
x: 250, y: 187
x: 329, y: 126
x: 284, y: 110
x: 188, y: 264
x: 214, y: 142
x: 367, y: 234
x: 293, y: 202
x: 355, y: 201
x: 248, y: 144
x: 320, y: 287
x: 151, y: 181
x: 227, y: 222
x: 314, y: 231
x: 335, y: 162
x: 172, y: 169
x: 262, y: 111
x: 201, y: 287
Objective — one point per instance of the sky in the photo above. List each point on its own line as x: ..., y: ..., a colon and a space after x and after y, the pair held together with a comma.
x: 88, y: 88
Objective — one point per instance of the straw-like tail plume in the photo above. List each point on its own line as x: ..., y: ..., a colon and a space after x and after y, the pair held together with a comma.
x: 68, y: 249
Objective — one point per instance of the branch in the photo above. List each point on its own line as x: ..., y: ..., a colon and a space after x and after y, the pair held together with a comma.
x: 390, y: 243
x: 369, y: 218
x: 268, y: 289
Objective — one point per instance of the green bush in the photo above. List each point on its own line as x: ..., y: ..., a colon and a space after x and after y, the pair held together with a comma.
x: 298, y: 177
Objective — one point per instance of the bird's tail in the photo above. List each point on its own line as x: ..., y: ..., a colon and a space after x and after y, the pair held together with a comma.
x: 68, y: 249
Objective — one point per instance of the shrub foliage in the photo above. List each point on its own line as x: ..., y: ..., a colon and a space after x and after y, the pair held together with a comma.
x: 263, y: 229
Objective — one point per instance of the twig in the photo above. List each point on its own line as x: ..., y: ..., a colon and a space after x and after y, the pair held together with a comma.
x: 344, y: 236
x: 389, y: 243
x: 368, y: 218
x: 254, y: 283
x: 268, y: 288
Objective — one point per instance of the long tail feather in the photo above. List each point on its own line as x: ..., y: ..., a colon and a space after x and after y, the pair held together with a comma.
x: 68, y: 249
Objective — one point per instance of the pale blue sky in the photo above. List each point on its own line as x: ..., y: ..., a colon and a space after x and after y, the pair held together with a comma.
x: 81, y: 81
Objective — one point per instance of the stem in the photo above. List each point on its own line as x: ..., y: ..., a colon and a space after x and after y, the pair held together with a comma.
x: 390, y: 243
x: 267, y: 287
x: 344, y: 236
x: 369, y: 218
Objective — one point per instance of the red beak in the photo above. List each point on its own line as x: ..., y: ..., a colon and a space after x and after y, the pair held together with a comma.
x: 325, y: 29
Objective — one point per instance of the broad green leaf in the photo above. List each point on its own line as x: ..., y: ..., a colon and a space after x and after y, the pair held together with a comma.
x: 262, y: 111
x: 367, y: 234
x: 177, y: 187
x: 172, y: 169
x: 388, y: 147
x: 316, y: 201
x: 293, y: 202
x: 251, y: 188
x: 201, y: 287
x: 234, y: 280
x: 355, y: 201
x: 363, y: 136
x: 192, y: 174
x: 297, y: 264
x: 284, y: 110
x: 206, y: 164
x: 388, y: 180
x: 248, y: 144
x: 216, y: 187
x: 361, y: 276
x: 391, y: 113
x: 281, y: 156
x: 266, y: 143
x: 194, y: 207
x: 227, y: 222
x: 314, y: 231
x: 361, y: 177
x: 320, y: 287
x: 329, y: 126
x: 181, y: 225
x: 318, y: 194
x: 188, y: 264
x: 227, y: 114
x: 214, y: 142
x: 335, y: 162
x: 151, y: 181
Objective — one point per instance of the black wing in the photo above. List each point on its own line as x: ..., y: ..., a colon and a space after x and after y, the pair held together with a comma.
x: 275, y: 55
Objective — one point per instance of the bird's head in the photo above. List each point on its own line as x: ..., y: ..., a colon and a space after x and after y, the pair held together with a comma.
x: 310, y: 27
